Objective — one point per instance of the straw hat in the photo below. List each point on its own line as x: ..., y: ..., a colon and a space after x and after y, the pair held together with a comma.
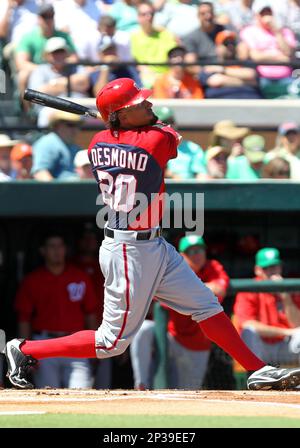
x: 227, y: 129
x: 5, y: 141
x: 60, y: 115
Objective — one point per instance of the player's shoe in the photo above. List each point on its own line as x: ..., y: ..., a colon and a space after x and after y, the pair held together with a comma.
x: 18, y: 364
x: 274, y: 378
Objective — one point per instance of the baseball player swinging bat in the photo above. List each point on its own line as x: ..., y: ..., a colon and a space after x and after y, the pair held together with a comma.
x: 55, y: 102
x: 138, y: 263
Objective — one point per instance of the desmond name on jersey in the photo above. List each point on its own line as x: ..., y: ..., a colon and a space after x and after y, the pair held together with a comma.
x: 118, y: 156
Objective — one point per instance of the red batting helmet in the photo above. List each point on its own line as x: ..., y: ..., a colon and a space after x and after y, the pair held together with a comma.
x: 117, y: 94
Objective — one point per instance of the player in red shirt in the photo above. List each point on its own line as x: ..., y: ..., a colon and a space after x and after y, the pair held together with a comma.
x: 56, y: 300
x: 186, y: 331
x: 189, y: 348
x: 269, y: 323
x: 128, y: 161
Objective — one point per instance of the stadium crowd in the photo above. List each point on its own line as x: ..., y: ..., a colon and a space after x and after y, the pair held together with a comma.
x: 141, y: 31
x: 41, y: 38
x: 233, y: 153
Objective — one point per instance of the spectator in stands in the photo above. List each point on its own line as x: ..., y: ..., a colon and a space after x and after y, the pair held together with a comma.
x: 75, y: 17
x: 83, y: 165
x: 125, y: 14
x: 6, y: 145
x: 177, y: 82
x: 288, y: 147
x: 288, y: 139
x: 30, y: 50
x: 107, y: 27
x: 221, y: 81
x: 16, y: 17
x: 190, y: 157
x: 277, y: 168
x: 56, y: 78
x: 87, y: 259
x: 188, y: 347
x: 108, y: 54
x: 207, y: 20
x: 200, y: 43
x: 248, y: 166
x: 52, y: 76
x: 53, y: 153
x: 55, y: 300
x: 21, y: 160
x: 237, y: 14
x: 180, y: 18
x: 269, y: 323
x: 287, y: 14
x: 226, y: 134
x: 216, y: 163
x: 268, y: 42
x: 149, y: 44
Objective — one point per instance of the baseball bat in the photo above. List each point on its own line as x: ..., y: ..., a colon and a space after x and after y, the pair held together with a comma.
x: 56, y: 102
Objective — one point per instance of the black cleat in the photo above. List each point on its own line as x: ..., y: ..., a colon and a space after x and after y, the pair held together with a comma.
x: 18, y: 364
x: 274, y: 378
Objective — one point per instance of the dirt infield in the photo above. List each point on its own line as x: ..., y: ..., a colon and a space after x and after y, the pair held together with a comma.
x: 159, y: 402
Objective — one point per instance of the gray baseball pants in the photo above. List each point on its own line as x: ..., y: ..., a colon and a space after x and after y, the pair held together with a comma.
x: 135, y: 271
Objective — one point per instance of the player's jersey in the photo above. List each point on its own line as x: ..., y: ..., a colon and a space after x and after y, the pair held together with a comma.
x: 129, y: 168
x: 56, y: 302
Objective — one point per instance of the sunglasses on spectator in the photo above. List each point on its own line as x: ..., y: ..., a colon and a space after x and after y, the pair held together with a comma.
x: 48, y: 17
x: 59, y: 51
x: 220, y: 158
x: 282, y: 173
x: 146, y: 13
x: 291, y: 133
x: 228, y: 42
x: 194, y: 251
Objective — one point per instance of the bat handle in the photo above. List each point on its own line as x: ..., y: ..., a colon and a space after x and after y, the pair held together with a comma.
x: 93, y: 114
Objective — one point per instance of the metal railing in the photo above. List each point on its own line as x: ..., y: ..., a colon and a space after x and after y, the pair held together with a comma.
x: 250, y: 285
x: 293, y: 64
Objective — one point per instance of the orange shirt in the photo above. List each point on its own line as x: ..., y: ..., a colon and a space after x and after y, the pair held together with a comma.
x: 264, y: 307
x: 56, y: 302
x: 189, y: 87
x: 185, y: 330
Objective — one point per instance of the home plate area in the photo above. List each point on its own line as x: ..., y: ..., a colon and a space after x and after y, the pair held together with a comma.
x: 158, y: 402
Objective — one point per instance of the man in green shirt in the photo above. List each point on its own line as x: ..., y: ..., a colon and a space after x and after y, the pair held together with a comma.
x: 249, y: 165
x: 30, y: 50
x: 149, y: 44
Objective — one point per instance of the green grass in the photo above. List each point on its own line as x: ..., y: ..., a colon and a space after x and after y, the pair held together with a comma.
x: 143, y: 421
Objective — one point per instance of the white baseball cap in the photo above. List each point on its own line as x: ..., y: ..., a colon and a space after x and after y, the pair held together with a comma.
x: 6, y: 141
x: 55, y: 43
x: 81, y: 158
